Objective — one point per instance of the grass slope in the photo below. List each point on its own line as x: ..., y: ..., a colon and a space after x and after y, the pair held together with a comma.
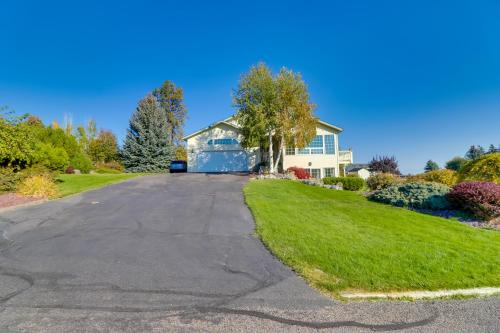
x: 339, y: 240
x: 70, y: 184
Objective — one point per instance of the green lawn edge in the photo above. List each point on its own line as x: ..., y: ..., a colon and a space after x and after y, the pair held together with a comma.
x: 339, y: 241
x: 70, y: 184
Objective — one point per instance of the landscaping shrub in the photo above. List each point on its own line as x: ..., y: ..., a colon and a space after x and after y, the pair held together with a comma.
x: 481, y: 199
x: 414, y: 195
x: 443, y: 176
x: 36, y: 170
x: 115, y: 165
x: 382, y: 180
x: 81, y: 162
x: 300, y: 173
x: 485, y: 168
x: 9, y: 179
x: 70, y: 170
x: 107, y: 170
x: 54, y: 158
x: 348, y: 183
x: 41, y: 186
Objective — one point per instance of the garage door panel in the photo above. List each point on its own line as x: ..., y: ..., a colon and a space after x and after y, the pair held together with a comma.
x: 222, y: 161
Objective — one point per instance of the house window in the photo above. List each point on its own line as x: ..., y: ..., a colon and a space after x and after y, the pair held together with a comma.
x: 317, y: 142
x: 329, y: 172
x: 329, y: 144
x: 314, y: 148
x: 314, y: 173
x: 290, y: 151
x: 222, y: 142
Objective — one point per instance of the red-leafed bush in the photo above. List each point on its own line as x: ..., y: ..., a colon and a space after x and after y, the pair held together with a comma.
x: 479, y: 198
x: 299, y: 172
x: 70, y: 170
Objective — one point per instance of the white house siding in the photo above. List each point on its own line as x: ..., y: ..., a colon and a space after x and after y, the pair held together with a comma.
x: 320, y: 161
x: 199, y: 143
x: 362, y: 173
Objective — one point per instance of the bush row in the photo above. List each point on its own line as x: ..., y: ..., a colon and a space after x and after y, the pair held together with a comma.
x: 414, y: 195
x: 348, y: 183
x: 481, y: 199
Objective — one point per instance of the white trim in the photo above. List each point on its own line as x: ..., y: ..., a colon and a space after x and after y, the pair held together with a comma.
x: 226, y: 122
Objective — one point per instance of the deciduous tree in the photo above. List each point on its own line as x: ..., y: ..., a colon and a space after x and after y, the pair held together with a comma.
x: 104, y: 148
x: 384, y: 164
x: 171, y: 99
x: 455, y: 163
x: 274, y: 109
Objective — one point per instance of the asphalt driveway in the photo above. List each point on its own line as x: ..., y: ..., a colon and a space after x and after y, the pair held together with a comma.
x: 178, y: 253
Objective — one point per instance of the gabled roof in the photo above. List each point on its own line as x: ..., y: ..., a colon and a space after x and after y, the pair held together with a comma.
x: 224, y: 121
x: 356, y: 167
x: 227, y: 121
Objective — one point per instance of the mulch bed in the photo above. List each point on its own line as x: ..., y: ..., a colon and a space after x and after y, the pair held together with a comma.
x: 12, y: 199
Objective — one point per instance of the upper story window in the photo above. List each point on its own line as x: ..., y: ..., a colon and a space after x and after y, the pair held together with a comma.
x: 290, y: 151
x: 222, y: 142
x: 329, y: 144
x: 315, y: 147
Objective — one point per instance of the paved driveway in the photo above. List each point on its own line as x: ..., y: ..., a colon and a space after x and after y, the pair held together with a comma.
x: 177, y: 253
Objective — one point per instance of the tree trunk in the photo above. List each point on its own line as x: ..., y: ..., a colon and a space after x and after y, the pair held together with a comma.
x: 271, y: 157
x: 282, y: 142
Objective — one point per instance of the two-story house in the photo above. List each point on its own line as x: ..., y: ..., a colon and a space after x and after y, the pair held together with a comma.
x: 217, y: 148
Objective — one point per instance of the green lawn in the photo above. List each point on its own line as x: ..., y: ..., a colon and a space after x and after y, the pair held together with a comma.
x: 70, y: 184
x: 338, y: 240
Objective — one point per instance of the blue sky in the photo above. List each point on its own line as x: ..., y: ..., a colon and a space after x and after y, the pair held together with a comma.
x: 416, y: 79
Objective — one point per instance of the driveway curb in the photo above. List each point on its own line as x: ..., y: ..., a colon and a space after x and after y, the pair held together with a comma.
x: 485, y: 291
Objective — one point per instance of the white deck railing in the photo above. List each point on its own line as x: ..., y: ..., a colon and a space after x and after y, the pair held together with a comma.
x: 345, y: 156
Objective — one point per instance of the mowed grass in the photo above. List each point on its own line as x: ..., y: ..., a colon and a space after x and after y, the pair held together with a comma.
x: 70, y: 184
x: 338, y: 240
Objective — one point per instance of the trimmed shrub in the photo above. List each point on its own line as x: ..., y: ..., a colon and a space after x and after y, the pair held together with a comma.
x: 300, y: 173
x: 443, y: 176
x: 348, y: 183
x: 40, y: 186
x: 81, y: 162
x: 481, y: 199
x: 9, y: 179
x: 414, y: 195
x: 382, y: 180
x: 485, y: 168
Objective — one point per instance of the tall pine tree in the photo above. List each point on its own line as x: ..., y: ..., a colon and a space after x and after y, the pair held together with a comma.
x: 148, y: 147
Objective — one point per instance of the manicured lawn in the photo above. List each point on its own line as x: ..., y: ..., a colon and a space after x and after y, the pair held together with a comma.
x: 70, y: 184
x: 338, y: 240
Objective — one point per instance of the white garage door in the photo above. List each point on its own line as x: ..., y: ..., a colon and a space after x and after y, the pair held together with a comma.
x: 222, y: 161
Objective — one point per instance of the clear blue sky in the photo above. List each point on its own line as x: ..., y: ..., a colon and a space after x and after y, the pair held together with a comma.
x: 416, y: 79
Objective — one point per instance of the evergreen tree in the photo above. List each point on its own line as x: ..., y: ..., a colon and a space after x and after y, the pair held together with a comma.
x: 492, y: 149
x: 147, y: 146
x: 431, y: 166
x: 474, y: 152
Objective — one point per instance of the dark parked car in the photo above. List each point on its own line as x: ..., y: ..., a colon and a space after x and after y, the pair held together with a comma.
x: 178, y: 166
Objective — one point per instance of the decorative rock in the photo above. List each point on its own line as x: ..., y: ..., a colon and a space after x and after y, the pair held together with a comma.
x: 77, y: 172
